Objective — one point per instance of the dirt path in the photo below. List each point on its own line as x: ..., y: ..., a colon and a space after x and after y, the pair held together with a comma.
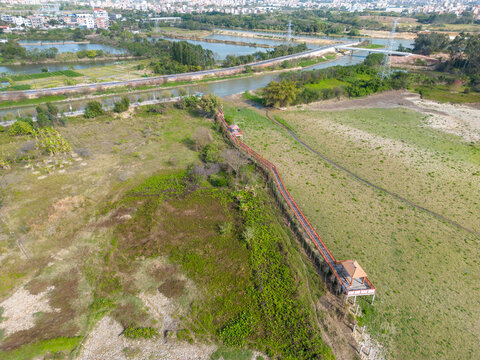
x: 367, y: 182
x: 387, y: 100
x: 462, y: 120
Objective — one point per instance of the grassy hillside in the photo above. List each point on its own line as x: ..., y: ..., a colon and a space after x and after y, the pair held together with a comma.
x: 421, y: 266
x: 134, y: 214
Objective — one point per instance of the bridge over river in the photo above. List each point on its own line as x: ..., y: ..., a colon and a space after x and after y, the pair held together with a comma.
x: 381, y: 51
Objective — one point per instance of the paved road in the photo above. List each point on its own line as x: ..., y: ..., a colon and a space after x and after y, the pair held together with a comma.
x: 381, y: 51
x: 177, y: 77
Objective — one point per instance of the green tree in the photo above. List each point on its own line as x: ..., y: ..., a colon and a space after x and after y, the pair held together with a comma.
x: 122, y: 105
x: 210, y: 104
x: 20, y: 128
x: 428, y: 43
x: 281, y: 93
x: 93, y: 109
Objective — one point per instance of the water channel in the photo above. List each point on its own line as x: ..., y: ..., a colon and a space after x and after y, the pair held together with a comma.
x: 220, y: 50
x: 222, y: 88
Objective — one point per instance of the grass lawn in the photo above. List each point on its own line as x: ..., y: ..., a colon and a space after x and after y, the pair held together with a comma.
x: 35, y: 101
x: 444, y: 94
x: 326, y: 84
x: 372, y: 46
x: 420, y: 266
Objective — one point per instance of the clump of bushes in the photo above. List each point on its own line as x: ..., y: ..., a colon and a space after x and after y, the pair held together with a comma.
x: 157, y: 109
x: 49, y: 116
x: 20, y: 127
x: 133, y: 332
x: 4, y: 164
x: 210, y: 153
x: 93, y: 109
x: 50, y: 141
x: 121, y: 105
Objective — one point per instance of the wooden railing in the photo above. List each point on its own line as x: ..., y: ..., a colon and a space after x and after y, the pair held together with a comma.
x: 268, y: 167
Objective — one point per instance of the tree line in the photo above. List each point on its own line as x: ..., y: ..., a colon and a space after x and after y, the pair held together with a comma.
x: 281, y: 50
x: 464, y: 51
x: 302, y: 87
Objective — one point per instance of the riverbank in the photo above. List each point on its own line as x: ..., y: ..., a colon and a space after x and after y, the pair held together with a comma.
x: 191, y: 76
x: 300, y: 39
x: 143, y: 89
x: 203, y: 85
x: 209, y: 40
x: 40, y: 42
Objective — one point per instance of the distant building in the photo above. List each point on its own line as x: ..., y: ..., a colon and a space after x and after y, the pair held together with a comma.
x: 86, y: 20
x: 101, y: 19
x: 35, y: 22
x: 70, y: 19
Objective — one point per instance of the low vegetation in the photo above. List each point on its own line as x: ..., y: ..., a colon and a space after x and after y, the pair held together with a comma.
x: 302, y: 87
x: 397, y: 245
x: 173, y: 210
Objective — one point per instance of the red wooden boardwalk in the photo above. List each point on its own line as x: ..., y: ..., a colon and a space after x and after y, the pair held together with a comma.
x: 356, y: 288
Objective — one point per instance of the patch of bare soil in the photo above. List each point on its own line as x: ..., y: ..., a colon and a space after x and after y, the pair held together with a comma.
x: 347, y: 342
x: 65, y: 206
x: 172, y: 288
x: 20, y: 308
x: 106, y: 342
x: 42, y: 318
x: 336, y: 328
x: 385, y: 34
x: 412, y: 60
x: 462, y: 120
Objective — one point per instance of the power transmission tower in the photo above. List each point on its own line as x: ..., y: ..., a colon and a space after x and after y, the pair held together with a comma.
x: 289, y: 32
x: 385, y: 68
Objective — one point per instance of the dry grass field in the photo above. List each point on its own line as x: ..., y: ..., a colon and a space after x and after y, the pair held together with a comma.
x: 112, y: 239
x: 426, y: 270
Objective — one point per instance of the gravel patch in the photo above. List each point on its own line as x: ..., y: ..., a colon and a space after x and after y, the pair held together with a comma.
x: 106, y: 342
x: 18, y: 310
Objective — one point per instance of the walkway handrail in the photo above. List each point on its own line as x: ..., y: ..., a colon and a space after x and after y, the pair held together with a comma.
x: 312, y: 234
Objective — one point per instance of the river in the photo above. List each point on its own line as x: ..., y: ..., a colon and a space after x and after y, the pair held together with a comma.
x: 236, y: 37
x: 222, y: 88
x: 38, y: 44
x: 36, y: 68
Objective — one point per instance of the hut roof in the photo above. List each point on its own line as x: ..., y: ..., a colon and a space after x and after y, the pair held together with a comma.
x: 353, y: 269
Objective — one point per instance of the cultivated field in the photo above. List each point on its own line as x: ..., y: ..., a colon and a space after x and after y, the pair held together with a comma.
x: 425, y: 269
x: 125, y: 70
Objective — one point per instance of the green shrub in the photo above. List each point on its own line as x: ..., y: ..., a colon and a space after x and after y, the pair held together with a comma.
x: 218, y: 180
x: 133, y: 332
x: 20, y: 128
x: 4, y: 165
x: 93, y: 109
x: 50, y: 141
x: 122, y: 105
x: 210, y: 153
x: 235, y: 332
x: 156, y: 109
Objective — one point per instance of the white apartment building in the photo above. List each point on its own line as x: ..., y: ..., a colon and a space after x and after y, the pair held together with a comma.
x: 86, y: 20
x: 101, y: 18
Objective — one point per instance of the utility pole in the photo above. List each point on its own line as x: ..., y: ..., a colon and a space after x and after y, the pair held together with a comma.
x: 385, y: 68
x: 289, y: 32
